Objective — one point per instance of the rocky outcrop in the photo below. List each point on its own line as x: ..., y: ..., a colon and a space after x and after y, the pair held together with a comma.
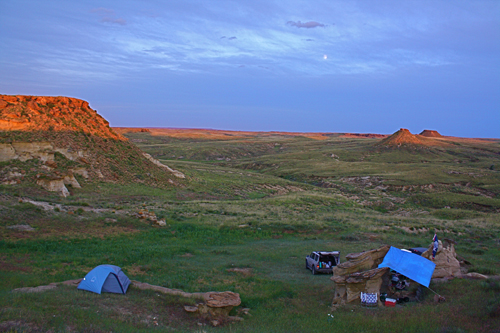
x: 124, y: 130
x: 431, y: 134
x: 362, y: 261
x: 401, y: 137
x: 44, y: 128
x: 358, y: 274
x: 43, y: 151
x: 176, y: 173
x: 44, y: 113
x: 54, y: 185
x: 11, y: 176
x: 348, y: 288
x: 446, y: 261
x: 71, y: 181
x: 145, y: 214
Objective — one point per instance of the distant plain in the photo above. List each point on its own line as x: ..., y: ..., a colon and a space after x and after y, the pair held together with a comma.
x: 259, y: 201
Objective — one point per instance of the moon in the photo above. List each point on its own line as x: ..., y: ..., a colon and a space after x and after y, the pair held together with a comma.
x: 325, y: 57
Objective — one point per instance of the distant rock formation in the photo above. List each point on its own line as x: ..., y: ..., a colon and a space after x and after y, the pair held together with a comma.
x: 401, y: 137
x: 123, y: 130
x: 58, y: 138
x: 431, y: 134
x: 43, y: 113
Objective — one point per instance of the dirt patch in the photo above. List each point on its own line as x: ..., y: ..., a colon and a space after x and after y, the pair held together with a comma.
x: 21, y: 227
x: 242, y: 271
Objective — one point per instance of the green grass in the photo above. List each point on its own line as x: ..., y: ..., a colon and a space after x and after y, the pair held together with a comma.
x: 260, y: 204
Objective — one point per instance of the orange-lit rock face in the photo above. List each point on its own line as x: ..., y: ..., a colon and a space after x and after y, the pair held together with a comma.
x: 402, y: 137
x: 44, y: 113
x: 431, y: 134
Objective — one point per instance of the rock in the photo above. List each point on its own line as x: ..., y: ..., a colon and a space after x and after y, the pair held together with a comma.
x: 7, y: 152
x: 54, y: 185
x: 446, y: 261
x: 362, y: 261
x: 348, y: 288
x: 35, y: 113
x: 222, y: 299
x: 216, y: 304
x: 29, y: 150
x: 71, y: 180
x: 51, y: 164
x: 244, y: 311
x: 401, y: 137
x: 358, y: 274
x: 431, y: 134
x: 80, y: 171
x: 475, y: 276
x: 176, y: 173
x: 21, y: 227
x: 191, y: 309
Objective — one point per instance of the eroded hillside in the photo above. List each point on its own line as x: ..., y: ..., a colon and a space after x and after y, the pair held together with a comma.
x: 60, y: 143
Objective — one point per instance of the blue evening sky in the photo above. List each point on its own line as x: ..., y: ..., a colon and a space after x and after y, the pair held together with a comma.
x: 263, y: 65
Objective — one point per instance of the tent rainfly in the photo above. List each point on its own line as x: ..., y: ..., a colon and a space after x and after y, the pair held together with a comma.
x: 105, y: 278
x: 411, y: 265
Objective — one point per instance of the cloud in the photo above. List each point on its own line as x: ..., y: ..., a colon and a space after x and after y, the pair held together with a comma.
x: 103, y: 11
x: 307, y: 25
x: 108, y: 16
x: 113, y: 20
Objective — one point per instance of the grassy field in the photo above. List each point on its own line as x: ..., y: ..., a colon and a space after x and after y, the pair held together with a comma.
x: 259, y: 204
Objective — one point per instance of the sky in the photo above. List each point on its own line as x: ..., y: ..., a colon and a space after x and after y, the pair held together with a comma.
x: 263, y: 65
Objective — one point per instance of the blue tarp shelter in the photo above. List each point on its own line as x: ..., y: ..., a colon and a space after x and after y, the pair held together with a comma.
x: 105, y: 278
x: 411, y: 265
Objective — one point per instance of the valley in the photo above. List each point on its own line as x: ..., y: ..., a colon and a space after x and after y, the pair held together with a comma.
x: 249, y: 207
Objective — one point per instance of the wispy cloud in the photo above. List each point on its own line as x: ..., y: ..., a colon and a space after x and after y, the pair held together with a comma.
x: 307, y: 25
x: 108, y: 16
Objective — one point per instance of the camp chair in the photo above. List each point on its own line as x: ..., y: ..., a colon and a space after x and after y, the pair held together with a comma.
x: 369, y: 299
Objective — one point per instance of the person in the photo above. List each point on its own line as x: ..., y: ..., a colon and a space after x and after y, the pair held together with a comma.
x: 435, y: 247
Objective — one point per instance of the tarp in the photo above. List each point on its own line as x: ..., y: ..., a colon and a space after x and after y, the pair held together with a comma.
x: 105, y: 278
x: 411, y: 265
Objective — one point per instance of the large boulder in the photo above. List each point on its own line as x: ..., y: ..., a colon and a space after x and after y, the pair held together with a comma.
x: 362, y: 261
x: 446, y: 261
x: 360, y: 273
x: 54, y: 185
x: 348, y: 288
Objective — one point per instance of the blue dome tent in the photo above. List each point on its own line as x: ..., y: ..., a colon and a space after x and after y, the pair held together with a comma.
x: 105, y: 278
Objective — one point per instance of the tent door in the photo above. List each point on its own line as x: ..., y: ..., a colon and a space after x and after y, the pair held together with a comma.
x: 112, y: 285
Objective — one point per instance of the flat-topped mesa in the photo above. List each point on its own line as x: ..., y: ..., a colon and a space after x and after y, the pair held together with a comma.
x: 431, y: 134
x: 401, y: 137
x: 57, y: 114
